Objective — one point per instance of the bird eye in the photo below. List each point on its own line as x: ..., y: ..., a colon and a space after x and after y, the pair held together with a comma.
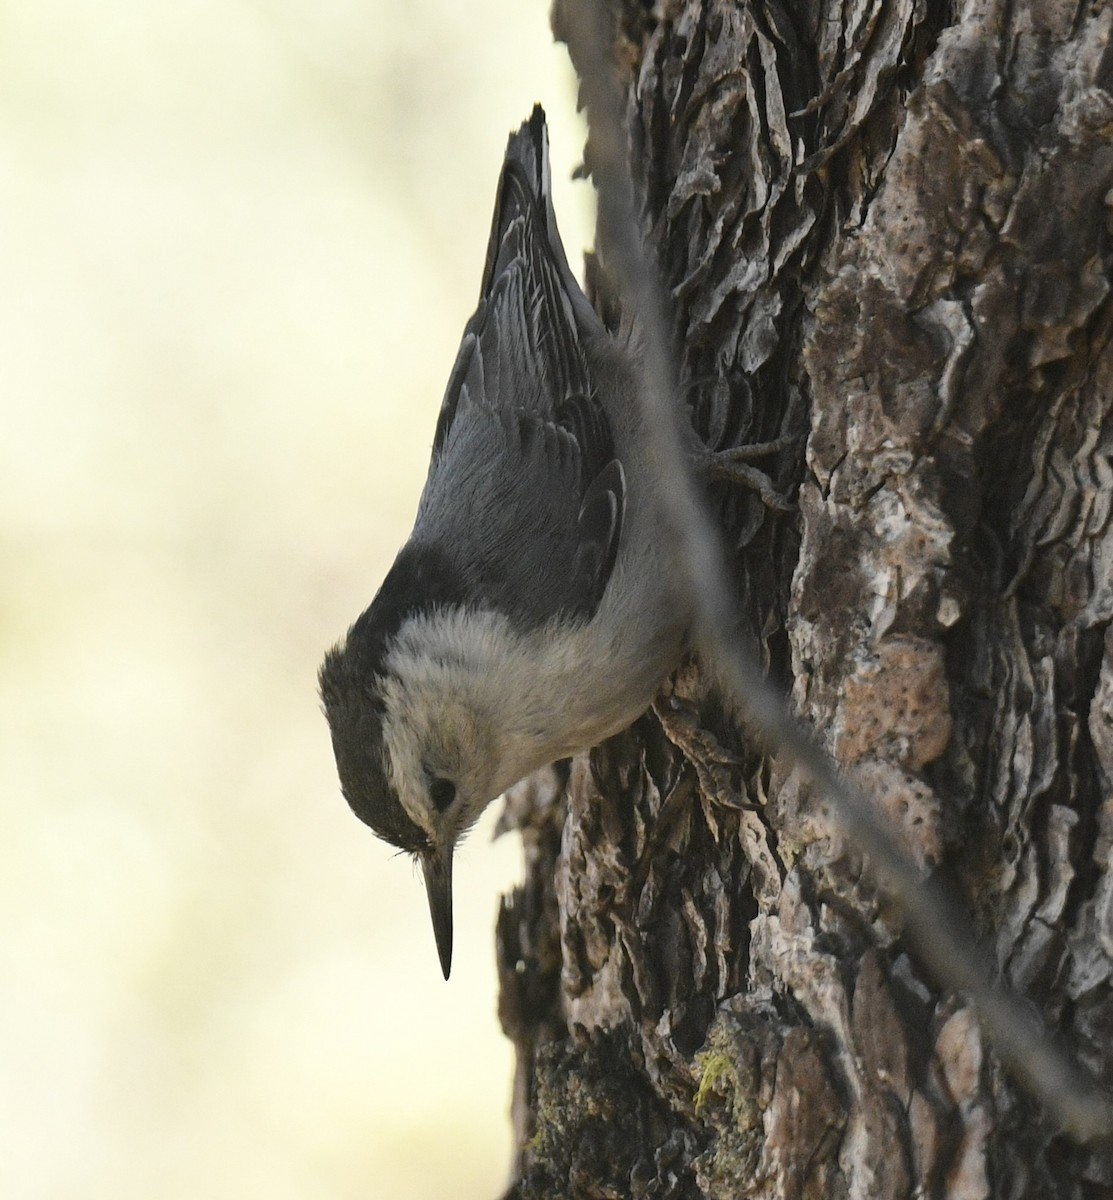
x: 442, y: 792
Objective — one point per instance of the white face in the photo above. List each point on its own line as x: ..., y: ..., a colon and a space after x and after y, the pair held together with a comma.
x: 437, y: 752
x: 472, y: 706
x: 448, y: 729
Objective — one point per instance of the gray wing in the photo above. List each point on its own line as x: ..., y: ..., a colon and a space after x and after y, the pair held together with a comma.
x: 525, y: 495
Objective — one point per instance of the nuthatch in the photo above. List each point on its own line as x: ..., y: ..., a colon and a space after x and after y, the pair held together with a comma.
x: 537, y: 606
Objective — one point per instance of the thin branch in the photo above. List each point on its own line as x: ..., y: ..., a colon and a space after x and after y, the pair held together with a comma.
x: 942, y: 933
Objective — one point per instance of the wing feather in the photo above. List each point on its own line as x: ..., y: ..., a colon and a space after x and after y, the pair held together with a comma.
x: 525, y: 495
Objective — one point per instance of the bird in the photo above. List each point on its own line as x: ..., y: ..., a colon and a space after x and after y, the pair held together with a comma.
x: 537, y: 606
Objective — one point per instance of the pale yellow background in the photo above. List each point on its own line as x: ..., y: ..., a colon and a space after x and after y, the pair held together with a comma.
x: 238, y: 242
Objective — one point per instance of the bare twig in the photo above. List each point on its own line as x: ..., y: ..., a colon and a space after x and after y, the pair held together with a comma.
x: 942, y: 933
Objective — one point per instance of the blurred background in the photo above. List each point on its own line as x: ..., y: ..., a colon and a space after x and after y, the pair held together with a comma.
x: 238, y: 243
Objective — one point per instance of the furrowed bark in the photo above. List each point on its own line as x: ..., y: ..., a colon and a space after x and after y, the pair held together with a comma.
x: 887, y: 231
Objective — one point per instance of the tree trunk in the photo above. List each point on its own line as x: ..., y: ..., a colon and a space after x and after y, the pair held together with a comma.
x: 885, y: 228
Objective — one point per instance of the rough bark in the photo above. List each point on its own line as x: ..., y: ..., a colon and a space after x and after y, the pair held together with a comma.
x: 885, y: 227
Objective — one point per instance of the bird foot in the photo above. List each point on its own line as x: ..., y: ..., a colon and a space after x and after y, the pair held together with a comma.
x: 735, y: 465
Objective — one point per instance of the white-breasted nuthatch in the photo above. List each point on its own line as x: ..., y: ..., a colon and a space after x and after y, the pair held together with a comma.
x: 537, y: 606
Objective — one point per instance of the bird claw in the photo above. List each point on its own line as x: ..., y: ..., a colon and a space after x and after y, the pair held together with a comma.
x: 734, y: 466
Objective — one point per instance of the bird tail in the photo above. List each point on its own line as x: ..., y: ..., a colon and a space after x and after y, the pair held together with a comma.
x: 527, y: 163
